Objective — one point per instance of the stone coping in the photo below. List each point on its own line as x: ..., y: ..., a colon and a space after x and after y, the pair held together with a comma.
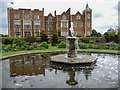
x: 6, y: 57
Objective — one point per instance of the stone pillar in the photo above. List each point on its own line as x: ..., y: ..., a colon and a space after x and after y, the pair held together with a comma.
x: 72, y: 52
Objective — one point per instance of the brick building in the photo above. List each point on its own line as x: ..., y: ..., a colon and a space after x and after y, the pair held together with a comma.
x: 25, y: 22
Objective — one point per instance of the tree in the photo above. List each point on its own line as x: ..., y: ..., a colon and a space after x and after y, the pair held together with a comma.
x: 44, y: 37
x: 59, y: 33
x: 54, y: 39
x: 94, y: 33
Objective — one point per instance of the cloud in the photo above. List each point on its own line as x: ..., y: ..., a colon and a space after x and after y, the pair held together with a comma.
x: 97, y: 15
x: 4, y: 27
x: 115, y: 7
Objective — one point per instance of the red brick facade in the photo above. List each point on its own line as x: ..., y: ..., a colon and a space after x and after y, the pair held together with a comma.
x: 24, y: 22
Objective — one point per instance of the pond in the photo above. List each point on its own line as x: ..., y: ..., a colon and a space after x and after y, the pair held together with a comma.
x: 35, y: 71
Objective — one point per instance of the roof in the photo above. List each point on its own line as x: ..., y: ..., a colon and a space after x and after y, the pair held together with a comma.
x: 110, y: 30
x: 87, y: 8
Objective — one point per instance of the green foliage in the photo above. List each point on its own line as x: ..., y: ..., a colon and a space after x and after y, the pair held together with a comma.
x: 7, y: 48
x: 44, y: 37
x: 54, y: 39
x: 91, y: 41
x: 18, y: 48
x: 24, y: 47
x: 62, y: 45
x: 82, y: 46
x: 45, y: 45
x: 18, y: 42
x: 30, y: 39
x: 59, y: 33
x: 85, y: 40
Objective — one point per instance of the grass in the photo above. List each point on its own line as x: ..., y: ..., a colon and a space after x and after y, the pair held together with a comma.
x: 55, y: 49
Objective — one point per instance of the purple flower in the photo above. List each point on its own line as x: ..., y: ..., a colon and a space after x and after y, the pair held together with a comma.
x: 0, y: 43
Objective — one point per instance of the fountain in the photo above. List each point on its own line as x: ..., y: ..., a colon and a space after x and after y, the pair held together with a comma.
x: 72, y: 57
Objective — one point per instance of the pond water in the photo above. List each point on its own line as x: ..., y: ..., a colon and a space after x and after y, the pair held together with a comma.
x: 34, y: 71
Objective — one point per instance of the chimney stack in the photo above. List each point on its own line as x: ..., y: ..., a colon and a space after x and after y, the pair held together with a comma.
x: 42, y: 9
x: 55, y: 12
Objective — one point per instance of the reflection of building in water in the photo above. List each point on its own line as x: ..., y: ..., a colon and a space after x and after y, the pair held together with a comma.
x: 28, y: 65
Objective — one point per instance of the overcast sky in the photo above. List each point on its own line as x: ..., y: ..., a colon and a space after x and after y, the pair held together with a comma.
x: 105, y: 12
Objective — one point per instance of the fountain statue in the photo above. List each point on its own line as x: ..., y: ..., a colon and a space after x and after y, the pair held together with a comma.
x: 72, y: 57
x: 72, y: 52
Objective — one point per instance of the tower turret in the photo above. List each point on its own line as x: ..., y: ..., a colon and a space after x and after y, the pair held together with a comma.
x: 87, y: 12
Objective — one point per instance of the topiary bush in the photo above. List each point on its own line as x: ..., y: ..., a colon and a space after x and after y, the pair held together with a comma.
x: 62, y: 45
x: 54, y: 39
x: 45, y: 45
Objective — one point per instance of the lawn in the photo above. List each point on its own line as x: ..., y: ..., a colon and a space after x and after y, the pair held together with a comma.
x: 55, y: 49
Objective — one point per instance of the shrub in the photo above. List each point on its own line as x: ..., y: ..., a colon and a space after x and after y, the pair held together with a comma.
x: 7, y: 48
x: 44, y: 37
x: 85, y: 40
x: 24, y: 47
x: 19, y: 42
x: 82, y: 46
x: 62, y: 45
x: 7, y: 41
x: 45, y: 45
x: 90, y: 46
x: 18, y: 47
x: 30, y: 39
x: 54, y: 39
x: 91, y: 41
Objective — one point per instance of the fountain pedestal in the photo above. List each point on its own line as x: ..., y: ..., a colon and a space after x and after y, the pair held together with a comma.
x: 72, y: 52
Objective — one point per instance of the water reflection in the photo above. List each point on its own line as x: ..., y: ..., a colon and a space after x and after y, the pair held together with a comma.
x: 27, y: 65
x: 36, y: 65
x: 72, y: 71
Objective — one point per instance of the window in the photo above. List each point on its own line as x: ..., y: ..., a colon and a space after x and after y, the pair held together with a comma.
x: 36, y: 16
x: 75, y: 33
x: 17, y: 34
x: 88, y: 33
x: 27, y: 34
x: 50, y: 18
x: 36, y: 24
x: 78, y: 17
x: 80, y: 33
x: 37, y: 33
x: 63, y: 17
x: 50, y: 32
x: 81, y: 24
x: 50, y: 26
x: 64, y: 25
x: 27, y: 16
x: 16, y: 15
x: 74, y: 24
x: 27, y: 24
x: 17, y: 24
x: 64, y: 33
x: 88, y: 24
x: 88, y: 16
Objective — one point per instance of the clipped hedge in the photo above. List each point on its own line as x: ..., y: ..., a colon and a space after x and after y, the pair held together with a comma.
x: 62, y: 45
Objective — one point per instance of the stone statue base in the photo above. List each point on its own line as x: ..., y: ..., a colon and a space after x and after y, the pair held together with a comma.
x: 72, y: 53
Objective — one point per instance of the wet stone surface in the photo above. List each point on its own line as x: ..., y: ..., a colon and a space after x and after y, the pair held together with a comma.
x: 77, y: 60
x: 33, y: 71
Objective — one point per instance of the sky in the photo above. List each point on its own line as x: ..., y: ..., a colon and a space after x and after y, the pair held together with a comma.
x: 104, y: 12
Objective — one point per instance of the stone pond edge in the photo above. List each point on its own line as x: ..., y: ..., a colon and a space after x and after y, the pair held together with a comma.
x: 54, y: 52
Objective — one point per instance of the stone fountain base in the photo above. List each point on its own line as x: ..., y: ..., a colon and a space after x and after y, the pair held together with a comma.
x: 87, y: 59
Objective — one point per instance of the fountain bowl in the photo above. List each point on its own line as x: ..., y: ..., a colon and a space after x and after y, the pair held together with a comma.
x: 88, y: 59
